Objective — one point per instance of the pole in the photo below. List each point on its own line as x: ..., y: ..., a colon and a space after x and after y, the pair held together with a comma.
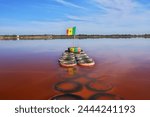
x: 74, y: 40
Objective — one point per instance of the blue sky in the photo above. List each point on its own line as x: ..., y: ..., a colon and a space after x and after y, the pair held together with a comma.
x: 90, y: 16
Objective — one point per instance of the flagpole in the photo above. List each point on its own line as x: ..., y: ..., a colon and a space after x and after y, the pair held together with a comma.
x: 74, y: 40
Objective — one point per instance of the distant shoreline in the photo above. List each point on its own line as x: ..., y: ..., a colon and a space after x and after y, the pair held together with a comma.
x: 80, y: 36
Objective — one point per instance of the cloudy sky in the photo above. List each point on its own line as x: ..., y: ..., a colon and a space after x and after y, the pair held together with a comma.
x: 90, y: 16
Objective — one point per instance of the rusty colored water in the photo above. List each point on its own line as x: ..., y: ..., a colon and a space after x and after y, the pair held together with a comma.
x: 30, y: 69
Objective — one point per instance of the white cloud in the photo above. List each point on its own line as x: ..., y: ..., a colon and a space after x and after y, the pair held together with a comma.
x: 77, y: 18
x: 69, y: 4
x: 117, y: 5
x: 119, y: 16
x: 83, y: 27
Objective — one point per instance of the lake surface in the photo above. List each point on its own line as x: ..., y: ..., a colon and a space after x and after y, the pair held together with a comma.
x: 29, y: 69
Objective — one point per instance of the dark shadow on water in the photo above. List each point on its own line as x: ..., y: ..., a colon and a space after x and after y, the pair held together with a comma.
x: 30, y: 70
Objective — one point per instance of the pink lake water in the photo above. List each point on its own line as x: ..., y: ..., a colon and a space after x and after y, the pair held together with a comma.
x: 29, y: 69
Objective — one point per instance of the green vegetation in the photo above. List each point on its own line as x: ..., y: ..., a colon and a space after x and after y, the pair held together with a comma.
x: 80, y: 36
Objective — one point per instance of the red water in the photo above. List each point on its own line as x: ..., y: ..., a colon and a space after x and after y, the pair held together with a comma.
x: 30, y: 69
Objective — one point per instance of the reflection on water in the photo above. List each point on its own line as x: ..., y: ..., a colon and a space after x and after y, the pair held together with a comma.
x: 30, y: 70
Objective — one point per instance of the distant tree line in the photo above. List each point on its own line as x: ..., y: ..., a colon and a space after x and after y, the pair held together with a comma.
x: 80, y: 36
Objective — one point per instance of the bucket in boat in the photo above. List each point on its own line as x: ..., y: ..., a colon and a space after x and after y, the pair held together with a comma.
x: 74, y: 49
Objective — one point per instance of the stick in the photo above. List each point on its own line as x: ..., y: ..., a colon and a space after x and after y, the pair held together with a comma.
x: 74, y: 41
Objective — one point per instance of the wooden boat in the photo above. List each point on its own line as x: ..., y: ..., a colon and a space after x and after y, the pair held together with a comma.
x: 75, y: 56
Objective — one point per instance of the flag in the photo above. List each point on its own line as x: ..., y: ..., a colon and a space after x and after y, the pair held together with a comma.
x: 71, y: 31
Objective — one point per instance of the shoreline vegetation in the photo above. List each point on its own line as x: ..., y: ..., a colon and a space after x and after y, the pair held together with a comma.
x: 80, y: 36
